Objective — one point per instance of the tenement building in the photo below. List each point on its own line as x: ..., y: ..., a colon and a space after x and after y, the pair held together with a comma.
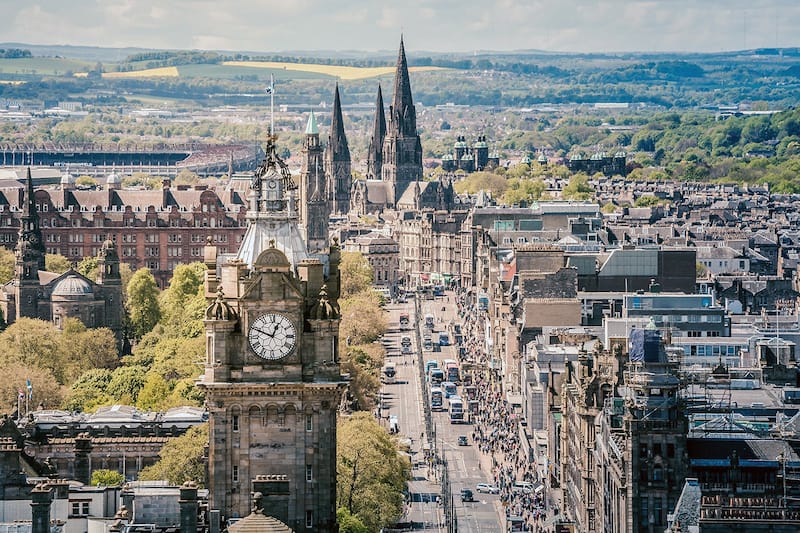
x: 272, y: 378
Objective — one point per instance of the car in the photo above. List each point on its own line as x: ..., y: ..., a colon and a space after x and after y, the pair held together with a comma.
x: 405, y: 350
x: 462, y: 440
x: 487, y: 488
x: 466, y: 495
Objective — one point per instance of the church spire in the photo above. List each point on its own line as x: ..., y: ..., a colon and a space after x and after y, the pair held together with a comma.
x: 403, y: 115
x: 375, y: 154
x: 338, y: 140
x: 29, y: 230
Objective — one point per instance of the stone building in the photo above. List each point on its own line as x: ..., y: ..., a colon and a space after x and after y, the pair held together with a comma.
x: 383, y: 255
x: 622, y: 438
x: 272, y: 378
x: 36, y: 293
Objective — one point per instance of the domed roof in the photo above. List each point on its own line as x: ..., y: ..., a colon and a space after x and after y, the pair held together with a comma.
x: 67, y: 178
x: 466, y: 157
x: 447, y: 157
x: 73, y: 285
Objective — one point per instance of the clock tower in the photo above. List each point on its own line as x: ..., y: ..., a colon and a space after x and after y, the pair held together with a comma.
x: 272, y: 378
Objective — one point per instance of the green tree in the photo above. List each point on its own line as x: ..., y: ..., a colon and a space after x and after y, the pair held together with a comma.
x: 181, y: 459
x: 578, y: 188
x: 349, y: 523
x: 107, y: 478
x: 86, y: 182
x: 56, y: 263
x: 371, y: 474
x: 143, y: 309
x: 7, y: 260
x: 357, y: 274
x: 46, y: 390
x: 647, y: 200
x: 186, y: 177
x: 362, y: 319
x: 89, y: 391
x: 88, y: 267
x: 125, y: 383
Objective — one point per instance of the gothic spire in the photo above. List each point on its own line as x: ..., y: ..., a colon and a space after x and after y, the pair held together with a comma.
x: 374, y: 156
x: 29, y: 207
x: 403, y: 115
x: 337, y: 143
x: 30, y: 234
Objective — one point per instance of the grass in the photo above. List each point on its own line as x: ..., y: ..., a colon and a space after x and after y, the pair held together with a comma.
x: 47, y: 66
x: 336, y: 71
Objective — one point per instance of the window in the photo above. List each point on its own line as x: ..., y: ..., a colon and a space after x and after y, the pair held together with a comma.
x: 309, y: 474
x: 80, y: 508
x: 309, y: 423
x: 309, y: 518
x: 235, y: 423
x: 235, y: 474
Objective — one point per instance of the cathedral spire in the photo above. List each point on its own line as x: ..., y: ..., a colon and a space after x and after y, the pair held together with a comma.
x: 338, y: 140
x: 403, y: 115
x: 375, y: 154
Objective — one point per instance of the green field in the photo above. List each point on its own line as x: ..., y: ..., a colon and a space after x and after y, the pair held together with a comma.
x: 42, y: 66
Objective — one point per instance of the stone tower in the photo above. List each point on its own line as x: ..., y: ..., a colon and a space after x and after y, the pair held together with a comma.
x: 314, y: 206
x: 375, y: 152
x: 108, y: 276
x: 338, y: 165
x: 402, y: 149
x: 30, y: 254
x: 272, y: 378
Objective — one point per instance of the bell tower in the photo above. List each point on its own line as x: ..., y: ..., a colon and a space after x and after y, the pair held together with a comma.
x: 272, y: 378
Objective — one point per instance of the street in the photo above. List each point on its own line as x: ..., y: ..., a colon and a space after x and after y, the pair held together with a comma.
x: 405, y: 400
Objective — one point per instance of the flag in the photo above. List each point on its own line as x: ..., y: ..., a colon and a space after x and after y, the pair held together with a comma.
x: 21, y: 395
x: 30, y: 389
x: 271, y: 87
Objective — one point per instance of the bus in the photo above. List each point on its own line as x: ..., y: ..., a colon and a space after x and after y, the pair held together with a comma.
x: 437, y: 403
x: 389, y: 373
x: 449, y: 389
x: 405, y: 322
x: 456, y: 410
x: 429, y: 321
x: 436, y: 376
x: 451, y: 371
x: 444, y: 339
x: 429, y: 364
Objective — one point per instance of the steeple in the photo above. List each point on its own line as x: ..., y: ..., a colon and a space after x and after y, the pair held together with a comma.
x: 314, y: 206
x: 311, y: 125
x: 29, y: 230
x: 337, y: 142
x: 375, y: 153
x: 338, y: 166
x: 403, y: 115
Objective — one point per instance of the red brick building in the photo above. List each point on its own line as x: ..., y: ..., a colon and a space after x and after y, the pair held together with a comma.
x: 157, y: 229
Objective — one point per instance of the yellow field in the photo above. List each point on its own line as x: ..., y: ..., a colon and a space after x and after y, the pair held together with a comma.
x: 166, y: 72
x: 344, y: 73
x: 163, y: 72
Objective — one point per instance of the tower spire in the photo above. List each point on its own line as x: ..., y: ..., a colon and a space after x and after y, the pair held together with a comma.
x: 29, y: 230
x: 375, y: 154
x: 403, y: 114
x: 338, y: 140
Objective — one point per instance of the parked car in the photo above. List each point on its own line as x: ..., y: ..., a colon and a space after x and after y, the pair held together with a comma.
x: 466, y: 495
x: 462, y: 440
x: 487, y: 488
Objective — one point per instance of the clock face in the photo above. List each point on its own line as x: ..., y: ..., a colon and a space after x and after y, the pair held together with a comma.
x: 272, y: 336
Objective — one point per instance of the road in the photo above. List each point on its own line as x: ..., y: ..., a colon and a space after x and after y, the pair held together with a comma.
x: 463, y: 462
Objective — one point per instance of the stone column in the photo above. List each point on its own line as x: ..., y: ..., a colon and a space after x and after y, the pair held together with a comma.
x: 83, y: 461
x: 188, y: 504
x: 41, y: 498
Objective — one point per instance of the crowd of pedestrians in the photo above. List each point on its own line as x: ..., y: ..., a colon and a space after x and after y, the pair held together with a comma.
x: 496, y: 430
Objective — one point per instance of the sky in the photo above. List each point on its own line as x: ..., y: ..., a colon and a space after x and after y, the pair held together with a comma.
x: 428, y: 25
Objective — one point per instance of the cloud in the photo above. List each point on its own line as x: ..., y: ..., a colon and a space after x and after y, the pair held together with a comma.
x: 430, y: 25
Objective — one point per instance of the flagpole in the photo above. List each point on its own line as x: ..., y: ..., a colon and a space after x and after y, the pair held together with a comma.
x: 271, y: 105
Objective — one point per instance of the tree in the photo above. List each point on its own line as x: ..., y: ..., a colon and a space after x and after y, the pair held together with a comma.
x: 107, y: 478
x: 186, y: 177
x: 88, y: 267
x: 45, y: 389
x: 181, y: 459
x: 371, y: 474
x: 82, y: 349
x: 7, y: 260
x: 647, y: 200
x: 362, y: 319
x: 578, y: 188
x: 185, y: 290
x: 143, y: 309
x: 349, y: 523
x: 86, y: 182
x: 89, y: 391
x: 357, y: 274
x: 56, y: 263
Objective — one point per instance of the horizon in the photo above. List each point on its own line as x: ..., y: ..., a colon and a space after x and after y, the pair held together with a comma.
x: 437, y: 26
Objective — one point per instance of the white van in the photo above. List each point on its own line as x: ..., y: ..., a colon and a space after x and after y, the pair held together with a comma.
x: 523, y: 486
